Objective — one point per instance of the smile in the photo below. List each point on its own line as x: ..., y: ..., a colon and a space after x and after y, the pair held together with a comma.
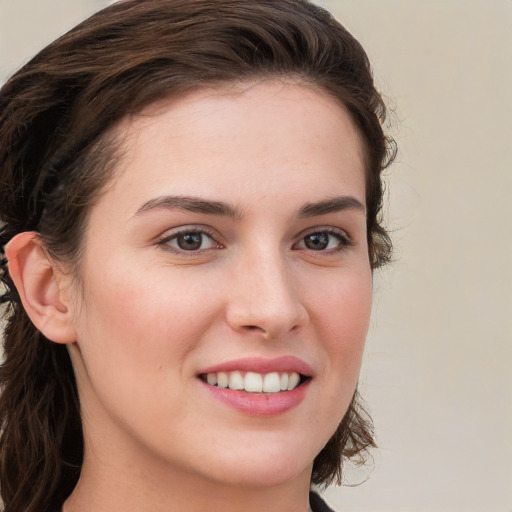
x: 259, y: 386
x: 252, y: 382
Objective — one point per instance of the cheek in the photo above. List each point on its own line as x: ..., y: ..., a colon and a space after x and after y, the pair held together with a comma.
x: 341, y: 315
x: 148, y: 317
x: 135, y: 336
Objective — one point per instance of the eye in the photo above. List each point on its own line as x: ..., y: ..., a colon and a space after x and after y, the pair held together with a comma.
x: 189, y: 240
x: 324, y: 240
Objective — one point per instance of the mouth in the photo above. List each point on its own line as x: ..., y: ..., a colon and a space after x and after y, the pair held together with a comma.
x: 259, y: 387
x: 255, y: 383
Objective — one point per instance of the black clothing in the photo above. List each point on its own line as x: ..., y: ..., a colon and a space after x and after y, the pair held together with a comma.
x: 317, y: 503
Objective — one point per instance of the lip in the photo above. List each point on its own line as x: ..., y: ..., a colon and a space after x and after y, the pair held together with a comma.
x: 265, y: 404
x: 262, y: 365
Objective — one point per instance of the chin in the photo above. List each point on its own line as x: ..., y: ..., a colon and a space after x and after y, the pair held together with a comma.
x: 264, y: 468
x: 259, y: 476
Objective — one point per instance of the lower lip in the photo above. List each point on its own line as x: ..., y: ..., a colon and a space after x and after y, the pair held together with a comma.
x: 266, y: 405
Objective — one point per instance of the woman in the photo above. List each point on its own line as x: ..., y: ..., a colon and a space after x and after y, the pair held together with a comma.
x: 190, y: 198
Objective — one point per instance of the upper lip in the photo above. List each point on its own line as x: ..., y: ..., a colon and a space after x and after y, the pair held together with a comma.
x: 262, y: 365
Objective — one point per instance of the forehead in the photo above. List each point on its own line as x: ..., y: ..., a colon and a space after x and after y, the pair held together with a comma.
x: 258, y: 134
x: 247, y: 103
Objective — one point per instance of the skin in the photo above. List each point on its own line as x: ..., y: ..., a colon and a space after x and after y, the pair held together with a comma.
x: 147, y: 316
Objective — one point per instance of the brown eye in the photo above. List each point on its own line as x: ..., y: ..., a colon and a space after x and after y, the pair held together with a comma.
x: 317, y: 241
x: 189, y: 241
x: 328, y: 241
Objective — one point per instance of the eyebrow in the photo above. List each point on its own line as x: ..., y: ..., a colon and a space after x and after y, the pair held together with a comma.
x: 336, y: 204
x: 191, y: 204
x: 198, y: 205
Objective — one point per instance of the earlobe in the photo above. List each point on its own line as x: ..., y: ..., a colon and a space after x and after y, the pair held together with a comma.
x: 39, y: 286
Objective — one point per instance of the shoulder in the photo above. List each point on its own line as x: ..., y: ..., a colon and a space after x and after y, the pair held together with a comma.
x: 317, y: 503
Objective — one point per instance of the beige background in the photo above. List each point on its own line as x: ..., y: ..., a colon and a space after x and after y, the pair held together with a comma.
x: 437, y: 370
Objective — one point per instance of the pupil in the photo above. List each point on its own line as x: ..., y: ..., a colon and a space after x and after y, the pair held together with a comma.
x: 317, y: 241
x: 189, y: 241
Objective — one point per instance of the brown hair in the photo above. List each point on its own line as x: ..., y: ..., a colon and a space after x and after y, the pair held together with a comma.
x: 57, y: 153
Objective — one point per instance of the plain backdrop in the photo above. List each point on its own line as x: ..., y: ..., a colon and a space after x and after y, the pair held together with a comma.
x: 436, y: 373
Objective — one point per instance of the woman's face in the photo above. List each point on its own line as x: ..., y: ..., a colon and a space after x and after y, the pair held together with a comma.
x: 230, y: 250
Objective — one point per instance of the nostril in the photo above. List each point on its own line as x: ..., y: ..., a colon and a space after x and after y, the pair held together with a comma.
x: 254, y: 328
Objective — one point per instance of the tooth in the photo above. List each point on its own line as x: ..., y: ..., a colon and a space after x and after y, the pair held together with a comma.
x: 211, y: 378
x: 253, y: 382
x: 284, y: 382
x: 271, y: 383
x: 293, y: 380
x: 236, y: 381
x: 222, y: 380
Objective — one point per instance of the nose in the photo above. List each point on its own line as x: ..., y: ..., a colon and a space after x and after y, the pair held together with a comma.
x: 264, y: 297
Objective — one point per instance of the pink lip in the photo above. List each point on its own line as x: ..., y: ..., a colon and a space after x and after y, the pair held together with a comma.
x: 262, y: 365
x: 263, y: 405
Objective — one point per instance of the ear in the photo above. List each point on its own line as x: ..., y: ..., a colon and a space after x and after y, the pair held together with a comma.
x: 41, y: 287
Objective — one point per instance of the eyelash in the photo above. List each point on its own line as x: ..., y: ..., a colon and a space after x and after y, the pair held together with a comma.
x: 164, y: 242
x: 342, y: 238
